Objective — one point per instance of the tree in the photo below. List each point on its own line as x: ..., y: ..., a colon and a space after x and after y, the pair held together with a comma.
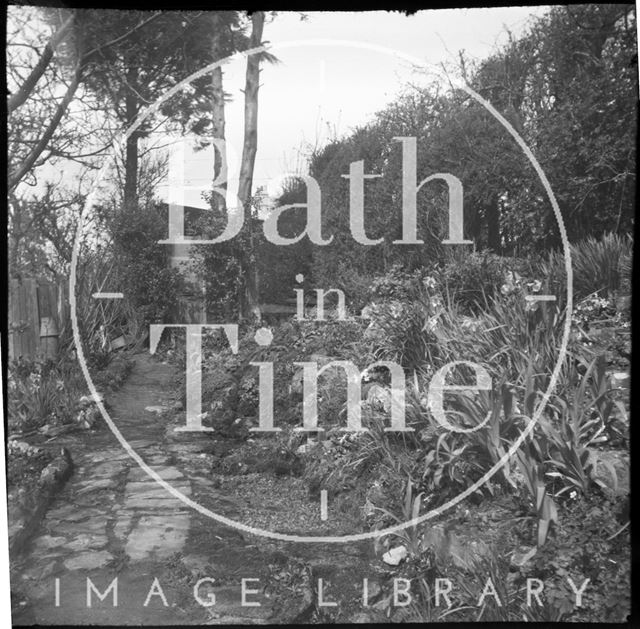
x: 40, y: 101
x: 136, y: 72
x: 570, y: 86
x: 249, y: 267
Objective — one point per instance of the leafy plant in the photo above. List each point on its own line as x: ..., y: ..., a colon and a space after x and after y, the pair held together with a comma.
x: 600, y: 265
x: 546, y: 510
x: 411, y: 536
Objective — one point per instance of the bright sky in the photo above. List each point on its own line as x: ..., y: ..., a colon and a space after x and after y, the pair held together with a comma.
x: 317, y: 92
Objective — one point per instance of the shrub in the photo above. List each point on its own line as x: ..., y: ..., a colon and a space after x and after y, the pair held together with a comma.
x: 398, y: 284
x: 230, y: 382
x: 355, y: 285
x: 151, y: 285
x: 473, y: 280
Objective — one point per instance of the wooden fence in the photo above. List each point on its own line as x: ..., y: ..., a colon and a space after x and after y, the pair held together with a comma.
x: 38, y: 313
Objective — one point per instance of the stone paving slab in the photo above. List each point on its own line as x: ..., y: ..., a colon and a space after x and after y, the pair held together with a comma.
x: 157, y: 536
x: 166, y: 473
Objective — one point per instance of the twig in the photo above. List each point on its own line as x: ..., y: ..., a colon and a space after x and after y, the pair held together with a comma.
x: 618, y: 532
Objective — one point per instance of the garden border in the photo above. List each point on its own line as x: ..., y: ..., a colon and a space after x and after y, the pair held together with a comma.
x: 52, y: 479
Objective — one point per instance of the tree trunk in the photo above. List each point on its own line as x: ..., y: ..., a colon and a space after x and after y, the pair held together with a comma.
x: 131, y: 153
x: 249, y: 301
x: 492, y: 216
x: 218, y: 130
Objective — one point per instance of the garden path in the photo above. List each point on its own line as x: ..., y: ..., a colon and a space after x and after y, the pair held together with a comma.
x: 111, y: 520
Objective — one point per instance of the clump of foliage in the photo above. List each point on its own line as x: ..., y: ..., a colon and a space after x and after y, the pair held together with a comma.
x: 472, y: 280
x: 399, y: 284
x: 230, y: 382
x: 151, y: 285
x: 591, y: 541
x: 601, y: 266
x: 40, y: 392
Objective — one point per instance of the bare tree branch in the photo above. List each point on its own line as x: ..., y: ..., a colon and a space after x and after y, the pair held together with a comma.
x: 16, y: 176
x: 26, y: 88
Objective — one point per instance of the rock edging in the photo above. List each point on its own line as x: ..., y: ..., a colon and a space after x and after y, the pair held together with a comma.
x: 24, y: 524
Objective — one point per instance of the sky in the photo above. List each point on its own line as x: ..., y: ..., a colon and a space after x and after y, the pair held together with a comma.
x: 318, y: 92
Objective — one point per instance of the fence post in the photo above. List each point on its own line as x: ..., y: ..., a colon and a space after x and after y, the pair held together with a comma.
x: 24, y: 326
x: 47, y: 303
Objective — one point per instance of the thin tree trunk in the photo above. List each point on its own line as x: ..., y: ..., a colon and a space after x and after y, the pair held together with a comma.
x: 249, y: 267
x: 131, y: 152
x: 131, y: 173
x: 492, y: 214
x: 218, y: 130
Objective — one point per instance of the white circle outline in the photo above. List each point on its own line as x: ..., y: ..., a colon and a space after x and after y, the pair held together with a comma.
x: 414, y: 521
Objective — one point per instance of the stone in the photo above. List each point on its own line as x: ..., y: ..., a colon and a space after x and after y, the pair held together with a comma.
x: 383, y: 604
x: 111, y: 454
x: 88, y: 560
x: 373, y: 590
x: 379, y: 398
x: 361, y: 618
x: 197, y: 564
x: 142, y: 444
x: 306, y: 447
x: 158, y: 410
x: 620, y: 380
x: 96, y: 485
x: 86, y: 541
x: 158, y: 536
x: 49, y: 569
x: 394, y: 556
x: 123, y: 525
x: 367, y: 312
x: 71, y: 513
x: 166, y: 473
x: 522, y: 555
x: 94, y: 526
x: 48, y: 541
x: 90, y: 399
x: 88, y: 499
x: 108, y: 468
x: 55, y: 431
x: 150, y: 495
x: 229, y: 605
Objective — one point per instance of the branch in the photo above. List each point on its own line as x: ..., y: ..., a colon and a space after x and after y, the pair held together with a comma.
x: 117, y: 40
x: 16, y: 176
x: 25, y: 90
